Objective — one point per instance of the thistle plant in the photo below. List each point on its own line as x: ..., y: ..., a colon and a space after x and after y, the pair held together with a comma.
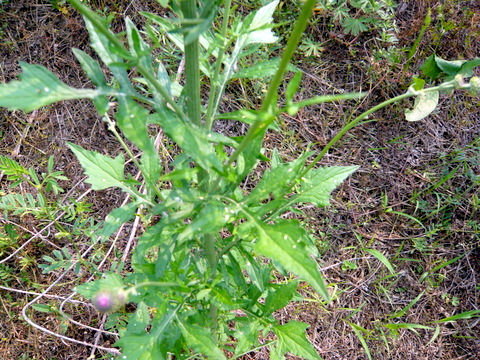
x: 200, y: 259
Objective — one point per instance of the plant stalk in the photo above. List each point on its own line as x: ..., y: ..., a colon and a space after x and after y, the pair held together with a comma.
x: 266, y: 115
x: 192, y: 65
x: 210, y: 116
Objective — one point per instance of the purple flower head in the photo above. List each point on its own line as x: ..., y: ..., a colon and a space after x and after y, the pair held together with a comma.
x: 109, y: 300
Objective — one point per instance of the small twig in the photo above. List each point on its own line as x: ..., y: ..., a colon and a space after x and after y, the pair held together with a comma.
x: 39, y: 233
x: 63, y: 337
x: 44, y: 295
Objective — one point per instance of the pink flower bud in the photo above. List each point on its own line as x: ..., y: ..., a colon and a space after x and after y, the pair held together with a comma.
x: 109, y: 300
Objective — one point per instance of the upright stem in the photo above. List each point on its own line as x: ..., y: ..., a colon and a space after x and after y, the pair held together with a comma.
x: 192, y: 66
x: 266, y: 115
x: 214, y: 92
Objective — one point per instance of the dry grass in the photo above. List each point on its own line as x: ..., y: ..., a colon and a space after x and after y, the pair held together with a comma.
x: 399, y: 161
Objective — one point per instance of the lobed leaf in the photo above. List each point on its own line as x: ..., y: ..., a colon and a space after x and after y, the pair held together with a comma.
x: 282, y: 244
x: 200, y: 340
x: 38, y: 87
x: 292, y: 338
x: 103, y: 172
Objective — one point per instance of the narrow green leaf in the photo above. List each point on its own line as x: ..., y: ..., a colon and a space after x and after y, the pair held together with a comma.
x: 200, y: 340
x: 43, y: 308
x: 91, y: 67
x: 425, y: 103
x: 103, y: 172
x: 38, y: 87
x: 406, y: 308
x: 382, y: 259
x: 94, y: 72
x: 464, y: 315
x: 132, y: 120
x: 358, y: 330
x: 281, y: 243
x: 292, y: 338
x: 434, y: 336
x: 411, y: 327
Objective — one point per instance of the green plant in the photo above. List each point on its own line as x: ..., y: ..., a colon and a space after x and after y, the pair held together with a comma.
x: 199, y: 260
x: 360, y: 16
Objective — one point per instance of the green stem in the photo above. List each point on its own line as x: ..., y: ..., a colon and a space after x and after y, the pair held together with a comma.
x: 210, y: 116
x: 290, y: 49
x: 266, y: 115
x: 156, y: 84
x: 192, y: 65
x: 111, y: 127
x: 442, y: 87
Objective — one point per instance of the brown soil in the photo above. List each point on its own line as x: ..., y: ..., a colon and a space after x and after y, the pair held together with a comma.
x: 400, y: 165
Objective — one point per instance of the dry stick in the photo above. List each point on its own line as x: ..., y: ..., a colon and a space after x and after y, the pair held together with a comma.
x: 43, y: 238
x: 63, y: 337
x: 39, y: 233
x: 44, y: 295
x: 23, y: 135
x: 60, y: 309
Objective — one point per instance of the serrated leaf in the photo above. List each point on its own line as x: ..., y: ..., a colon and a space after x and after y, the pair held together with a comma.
x: 116, y: 218
x: 38, y: 87
x: 108, y: 282
x: 103, y: 172
x: 195, y: 141
x: 110, y: 54
x: 292, y: 338
x: 281, y: 244
x: 354, y: 26
x: 280, y: 297
x: 319, y: 183
x: 425, y: 103
x: 261, y: 70
x: 210, y: 219
x: 199, y: 339
x: 140, y: 320
x: 137, y: 347
x: 430, y: 68
x: 247, y: 337
x: 281, y: 176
